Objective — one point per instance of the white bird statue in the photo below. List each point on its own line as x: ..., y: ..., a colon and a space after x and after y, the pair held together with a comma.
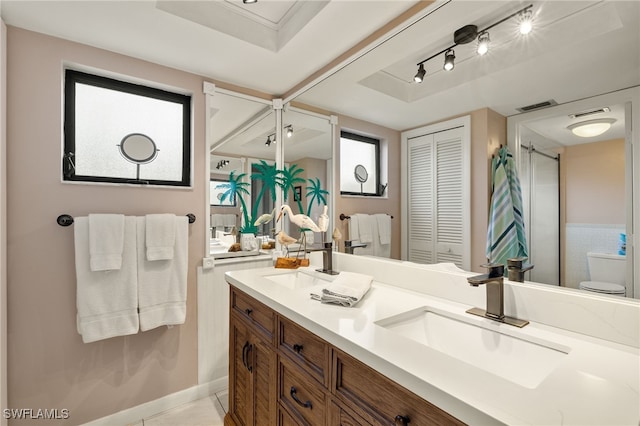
x: 323, y: 220
x: 265, y: 218
x: 302, y: 220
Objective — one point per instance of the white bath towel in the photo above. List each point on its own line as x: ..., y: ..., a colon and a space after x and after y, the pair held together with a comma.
x: 217, y: 220
x: 354, y: 228
x: 106, y: 236
x: 365, y: 227
x: 106, y: 301
x: 346, y: 290
x: 384, y: 227
x: 160, y: 236
x: 229, y: 220
x: 162, y: 284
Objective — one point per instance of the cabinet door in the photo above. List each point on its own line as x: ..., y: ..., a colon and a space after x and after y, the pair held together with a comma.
x: 263, y: 360
x: 240, y: 398
x: 338, y: 416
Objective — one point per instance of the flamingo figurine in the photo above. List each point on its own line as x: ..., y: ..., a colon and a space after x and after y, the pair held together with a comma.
x: 302, y: 220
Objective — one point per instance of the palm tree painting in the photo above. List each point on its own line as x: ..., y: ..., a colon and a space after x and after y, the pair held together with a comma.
x: 236, y: 187
x: 289, y: 181
x: 316, y: 193
x: 270, y: 178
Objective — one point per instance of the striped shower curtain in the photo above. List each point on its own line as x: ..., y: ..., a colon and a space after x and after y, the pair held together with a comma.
x: 506, y: 237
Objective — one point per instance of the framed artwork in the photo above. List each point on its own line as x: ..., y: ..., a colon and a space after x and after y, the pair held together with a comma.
x: 297, y: 193
x: 217, y: 188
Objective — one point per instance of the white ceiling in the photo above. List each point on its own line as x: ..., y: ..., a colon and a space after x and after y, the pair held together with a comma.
x: 578, y: 49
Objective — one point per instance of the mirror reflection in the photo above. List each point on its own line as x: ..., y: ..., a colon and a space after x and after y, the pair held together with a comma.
x: 550, y: 67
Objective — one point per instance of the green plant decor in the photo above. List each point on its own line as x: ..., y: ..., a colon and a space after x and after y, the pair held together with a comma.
x: 290, y: 180
x: 316, y: 193
x: 236, y: 187
x: 271, y: 178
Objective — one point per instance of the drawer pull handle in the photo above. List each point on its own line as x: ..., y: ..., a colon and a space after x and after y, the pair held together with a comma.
x: 249, y: 355
x: 248, y: 311
x: 297, y: 348
x: 244, y: 355
x: 402, y: 420
x: 295, y: 398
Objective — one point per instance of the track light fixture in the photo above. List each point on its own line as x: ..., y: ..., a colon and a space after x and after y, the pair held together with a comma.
x: 420, y: 75
x: 289, y: 130
x: 483, y: 43
x: 271, y: 139
x: 469, y: 33
x: 222, y: 163
x: 449, y: 60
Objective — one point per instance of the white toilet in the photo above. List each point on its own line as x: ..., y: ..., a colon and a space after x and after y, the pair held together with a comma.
x: 607, y: 272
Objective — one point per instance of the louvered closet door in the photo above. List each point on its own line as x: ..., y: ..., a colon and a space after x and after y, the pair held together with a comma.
x: 449, y: 196
x: 420, y: 200
x: 435, y: 198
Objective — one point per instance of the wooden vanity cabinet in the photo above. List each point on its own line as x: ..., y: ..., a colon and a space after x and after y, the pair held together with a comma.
x: 282, y: 374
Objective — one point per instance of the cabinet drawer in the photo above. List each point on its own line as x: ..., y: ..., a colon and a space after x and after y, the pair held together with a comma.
x: 380, y: 399
x: 340, y: 417
x: 305, y: 348
x: 257, y: 313
x: 301, y: 395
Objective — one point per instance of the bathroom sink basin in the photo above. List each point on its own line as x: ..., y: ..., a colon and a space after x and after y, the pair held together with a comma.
x: 500, y: 349
x: 298, y: 279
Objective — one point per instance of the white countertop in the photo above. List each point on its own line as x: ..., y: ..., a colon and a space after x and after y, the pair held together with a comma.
x: 595, y: 383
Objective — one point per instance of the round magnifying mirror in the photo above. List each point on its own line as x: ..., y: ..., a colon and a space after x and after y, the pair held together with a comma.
x: 138, y: 148
x: 360, y: 173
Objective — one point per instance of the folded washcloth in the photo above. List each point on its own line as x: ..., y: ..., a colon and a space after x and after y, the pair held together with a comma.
x: 106, y: 241
x: 160, y: 236
x: 346, y: 290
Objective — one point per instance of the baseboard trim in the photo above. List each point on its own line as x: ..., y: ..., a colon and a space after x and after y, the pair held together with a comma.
x: 136, y: 414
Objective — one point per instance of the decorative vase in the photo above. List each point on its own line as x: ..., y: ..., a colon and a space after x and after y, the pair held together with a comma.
x: 248, y: 242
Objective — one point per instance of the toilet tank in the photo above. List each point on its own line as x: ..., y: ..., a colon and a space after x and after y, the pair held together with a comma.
x: 607, y: 267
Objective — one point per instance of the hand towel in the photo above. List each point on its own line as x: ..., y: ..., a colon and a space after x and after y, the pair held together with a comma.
x: 365, y: 227
x: 229, y: 220
x: 346, y: 290
x: 160, y: 236
x: 106, y: 301
x: 217, y: 220
x: 384, y: 227
x: 354, y: 228
x: 162, y: 284
x: 106, y: 236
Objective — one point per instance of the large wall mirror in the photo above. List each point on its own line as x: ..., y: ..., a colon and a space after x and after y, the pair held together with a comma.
x: 569, y: 56
x: 242, y: 143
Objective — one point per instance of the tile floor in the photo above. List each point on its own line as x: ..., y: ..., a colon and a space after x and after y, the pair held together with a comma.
x: 208, y: 411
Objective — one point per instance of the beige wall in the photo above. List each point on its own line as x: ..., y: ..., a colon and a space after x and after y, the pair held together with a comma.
x: 594, y: 182
x: 49, y: 366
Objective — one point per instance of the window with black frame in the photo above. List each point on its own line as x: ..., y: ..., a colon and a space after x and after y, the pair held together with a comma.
x: 120, y: 132
x: 359, y: 164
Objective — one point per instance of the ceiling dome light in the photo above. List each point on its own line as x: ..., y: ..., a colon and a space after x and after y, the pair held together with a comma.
x: 483, y: 43
x: 449, y: 59
x: 591, y: 128
x: 420, y: 75
x: 526, y: 24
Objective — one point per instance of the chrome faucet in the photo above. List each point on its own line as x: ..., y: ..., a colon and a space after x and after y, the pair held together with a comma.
x: 327, y: 258
x: 516, y: 269
x: 494, y: 282
x: 349, y: 246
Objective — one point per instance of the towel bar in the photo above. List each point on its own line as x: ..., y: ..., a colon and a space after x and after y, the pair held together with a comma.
x: 67, y: 219
x: 344, y: 216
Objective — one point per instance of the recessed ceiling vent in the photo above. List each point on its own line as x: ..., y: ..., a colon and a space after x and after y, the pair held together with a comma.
x: 539, y: 105
x: 590, y: 112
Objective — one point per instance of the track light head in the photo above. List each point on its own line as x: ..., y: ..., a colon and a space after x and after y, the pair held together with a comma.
x: 449, y: 60
x: 483, y: 43
x: 526, y: 21
x: 289, y: 131
x: 420, y: 74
